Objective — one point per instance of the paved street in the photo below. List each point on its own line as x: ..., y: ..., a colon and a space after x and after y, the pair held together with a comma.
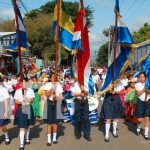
x: 66, y: 141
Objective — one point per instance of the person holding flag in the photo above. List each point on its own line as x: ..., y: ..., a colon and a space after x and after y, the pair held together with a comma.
x: 83, y: 85
x: 119, y: 60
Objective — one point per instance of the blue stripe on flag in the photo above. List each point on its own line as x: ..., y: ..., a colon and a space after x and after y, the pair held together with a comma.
x: 120, y: 61
x: 67, y: 41
x: 124, y: 36
x: 90, y: 85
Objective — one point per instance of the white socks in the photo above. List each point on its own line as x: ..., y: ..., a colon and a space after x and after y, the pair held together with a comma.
x: 138, y: 127
x: 22, y: 133
x: 146, y: 131
x: 6, y: 137
x: 107, y: 128
x: 27, y: 134
x: 49, y: 138
x: 115, y: 127
x: 54, y: 137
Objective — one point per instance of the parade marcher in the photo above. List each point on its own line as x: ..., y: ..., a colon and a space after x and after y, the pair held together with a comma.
x: 111, y: 110
x: 53, y: 91
x: 68, y: 104
x: 130, y: 101
x: 143, y: 105
x: 81, y: 115
x: 24, y: 116
x: 4, y: 109
x: 36, y: 103
x: 96, y: 79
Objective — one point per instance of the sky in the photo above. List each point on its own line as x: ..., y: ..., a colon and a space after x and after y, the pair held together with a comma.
x: 134, y: 12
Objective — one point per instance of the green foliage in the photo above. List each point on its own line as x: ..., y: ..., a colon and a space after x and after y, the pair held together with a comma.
x: 143, y: 34
x: 102, y: 58
x: 72, y: 7
x: 38, y: 24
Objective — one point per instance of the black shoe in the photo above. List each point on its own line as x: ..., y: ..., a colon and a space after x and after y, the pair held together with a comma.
x: 137, y: 133
x: 115, y: 135
x: 21, y: 147
x: 147, y: 138
x: 55, y: 142
x: 27, y: 141
x: 87, y: 137
x: 78, y: 137
x: 48, y: 144
x: 7, y: 141
x: 106, y: 139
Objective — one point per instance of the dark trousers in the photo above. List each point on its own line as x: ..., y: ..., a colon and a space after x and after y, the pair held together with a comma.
x: 81, y: 118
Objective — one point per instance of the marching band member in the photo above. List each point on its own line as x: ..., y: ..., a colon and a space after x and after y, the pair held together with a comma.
x: 53, y: 91
x: 4, y: 98
x: 24, y: 116
x: 143, y: 105
x: 81, y: 115
x: 111, y: 110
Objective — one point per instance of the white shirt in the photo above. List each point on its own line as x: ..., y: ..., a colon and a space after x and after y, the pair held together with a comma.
x: 118, y: 87
x: 124, y: 82
x: 14, y: 81
x: 75, y: 88
x: 95, y: 78
x: 28, y: 93
x: 58, y: 89
x: 139, y: 86
x: 100, y: 71
x: 4, y: 95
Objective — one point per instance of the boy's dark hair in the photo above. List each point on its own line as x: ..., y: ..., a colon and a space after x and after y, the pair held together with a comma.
x: 142, y: 73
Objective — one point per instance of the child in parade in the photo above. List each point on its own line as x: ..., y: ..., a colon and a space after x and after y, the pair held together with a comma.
x: 24, y: 116
x: 81, y: 115
x: 4, y: 109
x: 68, y: 104
x: 53, y: 91
x: 130, y: 101
x: 36, y: 103
x: 143, y: 105
x: 111, y: 110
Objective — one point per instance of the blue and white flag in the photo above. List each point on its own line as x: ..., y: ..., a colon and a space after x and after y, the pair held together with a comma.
x: 119, y: 61
x: 21, y: 31
x: 123, y: 33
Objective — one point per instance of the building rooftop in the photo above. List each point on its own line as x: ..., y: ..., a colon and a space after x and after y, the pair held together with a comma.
x: 6, y: 33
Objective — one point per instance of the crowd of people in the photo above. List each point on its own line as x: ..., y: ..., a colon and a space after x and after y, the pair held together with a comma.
x: 38, y: 95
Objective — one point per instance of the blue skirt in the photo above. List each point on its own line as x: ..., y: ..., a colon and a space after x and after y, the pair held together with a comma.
x: 50, y: 115
x: 143, y: 109
x: 111, y: 109
x: 22, y: 119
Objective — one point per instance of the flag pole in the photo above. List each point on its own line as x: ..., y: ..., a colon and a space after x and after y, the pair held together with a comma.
x: 19, y: 47
x: 57, y: 41
x: 115, y: 50
x: 82, y: 67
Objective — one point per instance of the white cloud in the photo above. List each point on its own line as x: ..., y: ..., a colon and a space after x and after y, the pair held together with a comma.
x: 7, y: 14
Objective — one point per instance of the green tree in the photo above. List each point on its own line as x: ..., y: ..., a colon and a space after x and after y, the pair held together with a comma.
x: 143, y: 34
x: 38, y: 24
x: 102, y: 58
